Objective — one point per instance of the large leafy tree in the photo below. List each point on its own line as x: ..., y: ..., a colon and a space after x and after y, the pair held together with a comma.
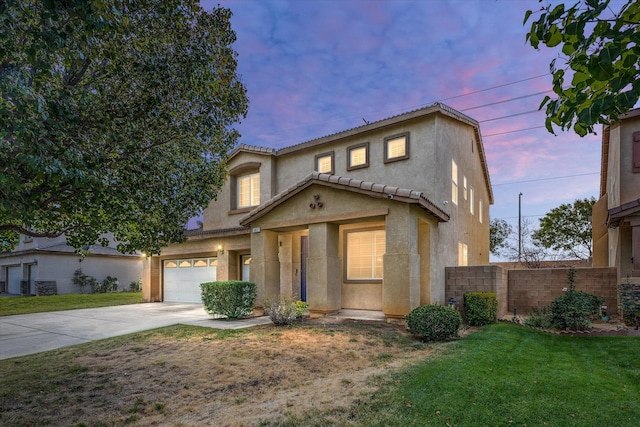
x: 596, y: 79
x: 116, y: 116
x: 499, y: 233
x: 568, y: 228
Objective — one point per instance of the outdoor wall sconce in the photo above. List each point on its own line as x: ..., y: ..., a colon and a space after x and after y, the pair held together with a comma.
x: 220, y: 249
x: 452, y: 302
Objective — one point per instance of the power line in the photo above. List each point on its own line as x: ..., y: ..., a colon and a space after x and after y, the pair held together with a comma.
x: 493, y: 87
x: 523, y: 216
x: 509, y: 116
x: 440, y: 100
x: 512, y: 131
x: 546, y: 179
x: 508, y: 100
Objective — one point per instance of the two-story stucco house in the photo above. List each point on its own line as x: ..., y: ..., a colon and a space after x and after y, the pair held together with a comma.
x: 42, y: 266
x: 616, y: 216
x: 367, y: 218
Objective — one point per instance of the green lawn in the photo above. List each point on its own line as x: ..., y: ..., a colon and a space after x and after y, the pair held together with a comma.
x: 506, y: 375
x: 25, y: 305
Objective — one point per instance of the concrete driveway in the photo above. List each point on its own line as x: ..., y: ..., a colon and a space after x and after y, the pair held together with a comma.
x: 32, y: 333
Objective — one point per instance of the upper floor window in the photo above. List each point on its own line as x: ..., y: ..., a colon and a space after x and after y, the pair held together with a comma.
x: 471, y: 207
x: 464, y: 187
x: 358, y: 156
x: 454, y: 182
x: 324, y: 163
x: 396, y: 147
x: 364, y: 251
x: 480, y: 215
x: 249, y: 190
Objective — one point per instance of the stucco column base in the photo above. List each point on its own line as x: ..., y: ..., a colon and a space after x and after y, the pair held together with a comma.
x: 401, y: 284
x: 151, y: 280
x: 265, y: 267
x: 323, y: 284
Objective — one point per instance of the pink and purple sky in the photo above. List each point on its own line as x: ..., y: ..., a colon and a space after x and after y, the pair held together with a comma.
x: 316, y: 67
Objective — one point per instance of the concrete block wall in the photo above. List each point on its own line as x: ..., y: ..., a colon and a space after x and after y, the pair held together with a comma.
x: 539, y: 287
x: 484, y: 278
x: 523, y: 289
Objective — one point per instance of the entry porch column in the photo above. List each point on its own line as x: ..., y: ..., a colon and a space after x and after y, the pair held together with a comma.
x: 265, y: 267
x: 401, y: 277
x: 324, y: 282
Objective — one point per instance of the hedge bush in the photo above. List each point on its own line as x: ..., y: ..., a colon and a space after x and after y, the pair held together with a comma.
x: 573, y: 310
x: 434, y: 322
x: 233, y: 299
x: 481, y: 308
x: 629, y: 297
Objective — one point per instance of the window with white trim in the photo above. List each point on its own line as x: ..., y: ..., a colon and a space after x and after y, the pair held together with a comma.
x: 364, y: 252
x: 462, y: 254
x: 471, y: 206
x: 454, y: 182
x: 480, y: 216
x: 249, y: 190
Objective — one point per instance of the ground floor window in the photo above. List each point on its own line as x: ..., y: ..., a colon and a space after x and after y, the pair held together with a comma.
x: 462, y: 254
x: 364, y: 250
x: 246, y: 267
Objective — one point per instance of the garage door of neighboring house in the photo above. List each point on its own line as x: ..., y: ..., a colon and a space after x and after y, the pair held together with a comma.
x: 14, y: 276
x: 182, y: 278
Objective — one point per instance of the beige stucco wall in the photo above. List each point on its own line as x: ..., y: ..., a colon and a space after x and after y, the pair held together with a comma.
x: 434, y: 140
x: 220, y: 213
x: 622, y: 186
x: 600, y: 234
x: 409, y: 242
x: 228, y: 268
x: 621, y: 141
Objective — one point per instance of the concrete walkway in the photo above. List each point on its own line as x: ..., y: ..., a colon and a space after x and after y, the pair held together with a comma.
x: 33, y: 333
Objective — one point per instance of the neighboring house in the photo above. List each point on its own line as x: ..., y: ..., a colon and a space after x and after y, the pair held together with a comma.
x: 42, y: 266
x: 616, y: 216
x: 367, y: 218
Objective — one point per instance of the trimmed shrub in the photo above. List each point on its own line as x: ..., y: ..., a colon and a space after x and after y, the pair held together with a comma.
x: 285, y: 311
x: 434, y: 322
x: 629, y: 297
x: 233, y: 299
x: 481, y: 308
x: 538, y: 318
x: 573, y: 310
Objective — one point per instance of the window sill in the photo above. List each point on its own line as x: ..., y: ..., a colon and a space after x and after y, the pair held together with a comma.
x: 241, y: 210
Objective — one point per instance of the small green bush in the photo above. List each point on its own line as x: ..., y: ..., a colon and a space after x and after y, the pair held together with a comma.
x: 285, y: 311
x: 573, y: 310
x: 233, y: 299
x: 135, y: 286
x: 434, y: 322
x: 629, y: 297
x: 481, y: 308
x: 538, y: 318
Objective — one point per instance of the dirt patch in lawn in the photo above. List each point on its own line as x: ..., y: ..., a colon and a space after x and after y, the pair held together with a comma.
x: 185, y: 376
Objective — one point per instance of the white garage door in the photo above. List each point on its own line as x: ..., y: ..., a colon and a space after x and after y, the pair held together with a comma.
x: 182, y: 278
x: 14, y: 276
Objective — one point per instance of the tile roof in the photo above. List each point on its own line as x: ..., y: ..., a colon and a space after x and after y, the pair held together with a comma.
x: 350, y: 184
x: 617, y: 215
